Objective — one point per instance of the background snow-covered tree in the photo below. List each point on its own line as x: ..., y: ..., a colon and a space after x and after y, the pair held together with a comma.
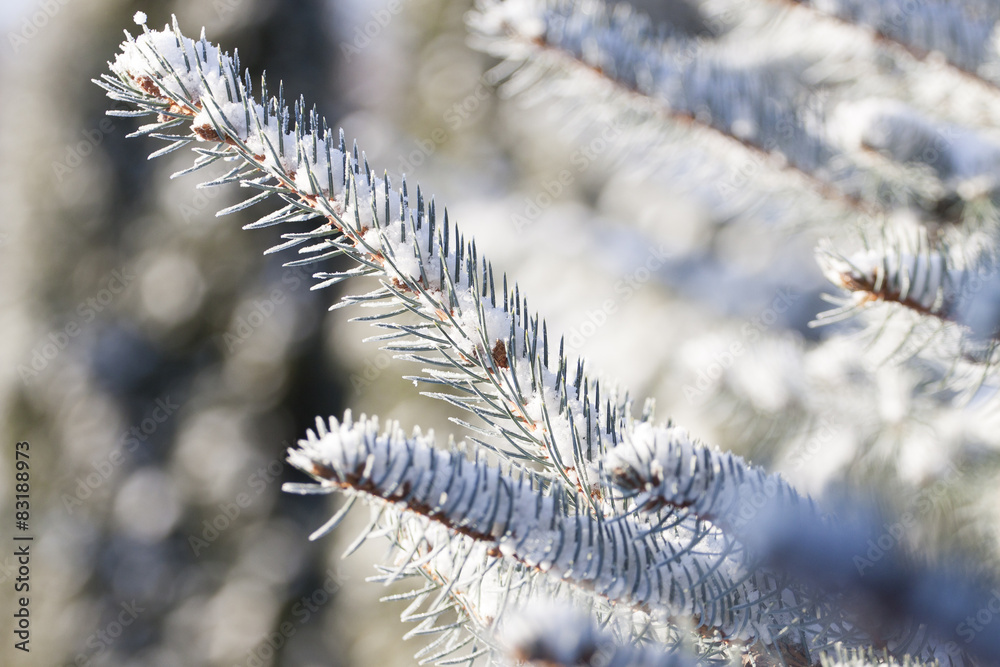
x: 661, y: 190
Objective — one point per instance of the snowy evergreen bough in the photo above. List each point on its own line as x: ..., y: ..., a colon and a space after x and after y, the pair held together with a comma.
x: 837, y: 150
x: 648, y: 547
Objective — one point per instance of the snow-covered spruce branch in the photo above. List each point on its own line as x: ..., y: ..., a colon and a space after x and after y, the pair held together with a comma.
x: 923, y: 302
x: 664, y: 467
x: 480, y: 342
x: 707, y: 86
x: 883, y: 146
x: 860, y: 150
x: 958, y: 163
x: 445, y: 307
x: 963, y: 32
x: 671, y: 76
x: 923, y: 282
x: 543, y: 416
x: 514, y: 514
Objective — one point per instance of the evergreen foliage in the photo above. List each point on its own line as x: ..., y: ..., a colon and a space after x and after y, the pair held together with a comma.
x: 564, y: 493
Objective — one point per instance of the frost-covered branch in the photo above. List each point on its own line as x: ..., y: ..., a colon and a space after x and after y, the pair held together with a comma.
x: 962, y: 32
x: 685, y: 571
x: 665, y: 467
x: 444, y: 306
x: 887, y: 156
x: 705, y: 89
x: 862, y: 150
x: 673, y: 548
x: 912, y: 609
x: 923, y: 302
x: 923, y: 283
x: 955, y: 165
x: 702, y: 84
